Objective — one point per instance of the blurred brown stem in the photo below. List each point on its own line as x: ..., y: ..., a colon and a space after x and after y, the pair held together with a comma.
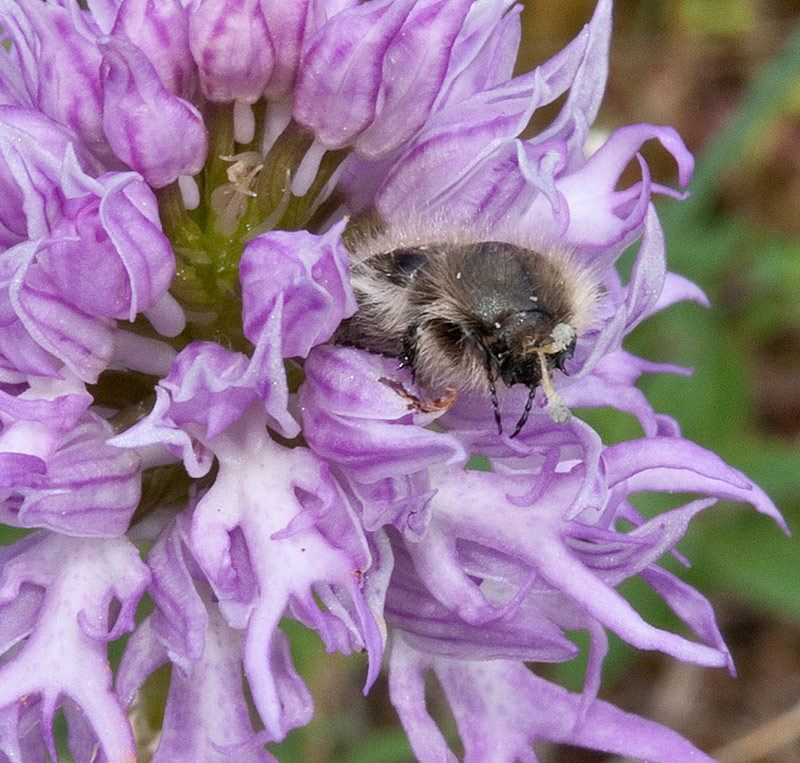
x: 776, y: 733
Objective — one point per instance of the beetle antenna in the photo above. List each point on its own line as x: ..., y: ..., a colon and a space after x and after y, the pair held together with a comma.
x: 495, y: 405
x: 487, y: 364
x: 524, y: 417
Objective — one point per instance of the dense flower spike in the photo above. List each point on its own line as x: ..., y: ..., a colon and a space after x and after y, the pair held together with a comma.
x: 179, y: 185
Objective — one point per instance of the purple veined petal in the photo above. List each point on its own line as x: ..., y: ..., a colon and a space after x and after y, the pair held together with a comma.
x: 484, y: 53
x: 153, y: 131
x: 533, y: 602
x: 80, y: 577
x: 231, y: 44
x: 35, y: 300
x: 689, y: 604
x: 212, y: 387
x: 307, y: 275
x: 620, y: 367
x: 578, y: 57
x: 606, y: 605
x: 353, y: 418
x: 181, y: 618
x: 103, y: 13
x: 360, y: 180
x: 540, y: 166
x: 401, y: 501
x: 129, y: 215
x: 266, y: 374
x: 593, y: 392
x: 244, y: 540
x: 506, y: 183
x: 474, y: 507
x: 159, y: 428
x: 12, y: 83
x: 193, y: 728
x: 17, y: 360
x: 341, y: 71
x: 20, y: 355
x: 35, y: 151
x: 473, y: 138
x: 207, y: 389
x: 471, y: 420
x: 419, y: 177
x: 586, y: 90
x: 428, y: 626
x: 34, y: 422
x: 345, y: 381
x: 19, y: 28
x: 89, y: 488
x: 678, y: 465
x: 19, y: 614
x: 501, y: 185
x: 38, y: 131
x: 610, y: 383
x: 476, y: 141
x: 409, y: 89
x: 160, y: 29
x: 600, y: 215
x: 485, y: 516
x: 289, y: 24
x: 679, y: 289
x: 61, y: 65
x: 30, y: 173
x: 640, y: 295
x: 573, y: 446
x: 501, y: 708
x: 321, y: 11
x: 144, y: 653
x: 617, y: 556
x: 83, y: 22
x: 55, y: 194
x: 108, y: 256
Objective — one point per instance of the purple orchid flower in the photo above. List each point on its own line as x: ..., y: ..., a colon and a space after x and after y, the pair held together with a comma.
x: 180, y: 184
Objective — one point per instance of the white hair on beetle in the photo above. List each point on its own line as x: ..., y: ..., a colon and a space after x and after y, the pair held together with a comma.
x: 420, y: 231
x: 465, y: 306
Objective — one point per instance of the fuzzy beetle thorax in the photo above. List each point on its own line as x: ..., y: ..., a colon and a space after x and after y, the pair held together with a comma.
x: 463, y: 315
